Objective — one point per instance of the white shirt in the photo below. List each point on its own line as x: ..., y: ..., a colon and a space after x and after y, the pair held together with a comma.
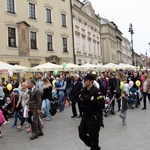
x: 126, y: 88
x: 95, y: 83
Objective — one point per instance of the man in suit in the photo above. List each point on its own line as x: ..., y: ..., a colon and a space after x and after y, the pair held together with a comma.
x: 74, y: 96
x: 35, y: 103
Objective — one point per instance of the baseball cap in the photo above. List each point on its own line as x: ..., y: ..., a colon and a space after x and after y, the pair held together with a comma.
x: 89, y: 76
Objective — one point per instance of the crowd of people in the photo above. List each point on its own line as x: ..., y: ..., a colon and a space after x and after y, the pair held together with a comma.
x: 85, y: 93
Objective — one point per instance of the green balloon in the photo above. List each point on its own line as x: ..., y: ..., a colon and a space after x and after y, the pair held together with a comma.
x: 64, y: 65
x: 55, y: 72
x: 3, y: 94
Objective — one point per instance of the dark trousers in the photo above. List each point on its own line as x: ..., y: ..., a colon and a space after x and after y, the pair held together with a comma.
x: 24, y: 119
x: 5, y: 114
x: 74, y: 111
x: 89, y: 132
x: 144, y: 98
x: 35, y: 122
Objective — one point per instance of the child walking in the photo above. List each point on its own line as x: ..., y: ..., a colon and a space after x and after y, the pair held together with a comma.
x: 123, y: 106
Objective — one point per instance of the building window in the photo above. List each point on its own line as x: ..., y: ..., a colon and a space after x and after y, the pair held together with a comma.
x: 33, y: 40
x: 63, y: 20
x: 32, y: 11
x: 77, y: 44
x: 65, y: 45
x: 49, y: 43
x: 11, y: 37
x: 48, y: 16
x: 10, y: 6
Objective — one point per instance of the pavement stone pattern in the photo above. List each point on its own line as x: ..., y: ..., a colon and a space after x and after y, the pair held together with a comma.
x: 61, y: 133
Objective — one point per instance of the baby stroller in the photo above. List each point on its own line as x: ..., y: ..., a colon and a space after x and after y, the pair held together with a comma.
x: 132, y: 98
x: 108, y: 106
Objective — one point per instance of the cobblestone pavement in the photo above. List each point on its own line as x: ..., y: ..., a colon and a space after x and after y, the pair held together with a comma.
x: 61, y: 133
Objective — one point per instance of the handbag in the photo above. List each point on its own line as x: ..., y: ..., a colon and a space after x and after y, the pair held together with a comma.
x: 53, y: 109
x: 2, y: 118
x: 25, y: 112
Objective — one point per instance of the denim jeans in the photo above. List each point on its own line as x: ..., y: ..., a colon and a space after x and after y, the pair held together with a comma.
x: 16, y: 115
x: 123, y: 115
x: 60, y: 101
x: 46, y: 107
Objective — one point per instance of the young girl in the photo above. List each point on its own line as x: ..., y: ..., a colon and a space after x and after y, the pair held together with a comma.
x: 6, y: 108
x: 123, y: 107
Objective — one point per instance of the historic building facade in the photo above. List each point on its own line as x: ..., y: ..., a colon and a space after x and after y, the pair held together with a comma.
x: 86, y: 30
x: 36, y: 31
x: 115, y: 48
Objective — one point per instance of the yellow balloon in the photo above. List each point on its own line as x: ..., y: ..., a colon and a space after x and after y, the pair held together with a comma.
x: 9, y: 87
x: 93, y: 72
x: 138, y: 83
x: 121, y: 85
x: 114, y: 69
x: 138, y: 67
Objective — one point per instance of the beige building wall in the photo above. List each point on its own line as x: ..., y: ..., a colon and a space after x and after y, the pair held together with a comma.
x: 126, y: 51
x: 108, y: 42
x: 23, y: 54
x: 86, y: 33
x: 115, y: 48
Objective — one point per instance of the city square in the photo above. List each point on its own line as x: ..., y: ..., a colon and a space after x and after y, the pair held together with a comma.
x: 62, y: 133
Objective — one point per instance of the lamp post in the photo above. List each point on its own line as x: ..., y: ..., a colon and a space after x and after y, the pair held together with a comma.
x: 131, y: 31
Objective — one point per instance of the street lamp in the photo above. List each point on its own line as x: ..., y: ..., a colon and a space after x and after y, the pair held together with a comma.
x: 131, y: 31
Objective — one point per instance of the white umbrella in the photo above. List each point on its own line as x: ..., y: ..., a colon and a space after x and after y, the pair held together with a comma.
x: 99, y: 66
x: 70, y: 66
x: 87, y: 67
x: 122, y: 66
x: 109, y: 66
x: 18, y: 68
x: 4, y: 67
x: 46, y: 67
x: 125, y: 66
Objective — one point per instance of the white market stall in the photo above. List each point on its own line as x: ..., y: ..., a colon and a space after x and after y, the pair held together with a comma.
x: 46, y: 67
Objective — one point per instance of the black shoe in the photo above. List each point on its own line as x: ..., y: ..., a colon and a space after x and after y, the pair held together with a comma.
x: 73, y: 116
x: 112, y: 112
x: 143, y: 108
x: 80, y: 116
x: 33, y: 137
x: 40, y: 134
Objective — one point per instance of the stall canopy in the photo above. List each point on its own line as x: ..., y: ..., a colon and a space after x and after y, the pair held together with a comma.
x: 70, y: 66
x: 46, y: 67
x: 109, y: 66
x: 87, y: 66
x: 18, y: 68
x: 4, y: 67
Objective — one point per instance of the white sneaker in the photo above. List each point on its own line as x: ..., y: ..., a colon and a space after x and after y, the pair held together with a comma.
x: 6, y: 122
x: 48, y: 118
